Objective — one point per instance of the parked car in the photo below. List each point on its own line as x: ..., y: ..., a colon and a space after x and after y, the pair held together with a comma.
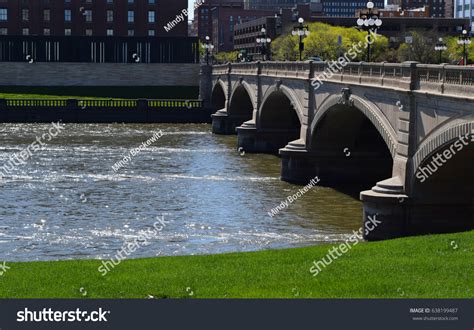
x: 315, y: 59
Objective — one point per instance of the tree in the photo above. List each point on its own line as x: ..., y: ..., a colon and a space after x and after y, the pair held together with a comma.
x: 323, y: 41
x: 224, y: 57
x: 421, y: 48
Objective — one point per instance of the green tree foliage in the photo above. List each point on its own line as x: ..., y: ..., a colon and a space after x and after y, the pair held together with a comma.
x: 224, y: 57
x: 323, y: 42
x: 422, y: 49
x: 454, y: 52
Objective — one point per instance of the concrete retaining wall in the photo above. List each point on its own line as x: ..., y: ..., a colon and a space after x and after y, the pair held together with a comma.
x: 98, y: 74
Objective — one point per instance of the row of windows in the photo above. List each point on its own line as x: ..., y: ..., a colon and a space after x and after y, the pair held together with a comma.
x: 68, y: 32
x: 150, y: 2
x: 25, y: 15
x: 350, y: 4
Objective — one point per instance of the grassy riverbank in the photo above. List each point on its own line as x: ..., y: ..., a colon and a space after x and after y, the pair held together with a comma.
x: 98, y: 92
x: 435, y: 266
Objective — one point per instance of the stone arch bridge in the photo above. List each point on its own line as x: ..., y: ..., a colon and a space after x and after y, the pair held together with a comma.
x: 402, y: 132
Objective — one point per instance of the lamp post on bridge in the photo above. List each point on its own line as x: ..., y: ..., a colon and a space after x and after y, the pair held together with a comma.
x: 263, y: 41
x: 369, y: 21
x: 440, y: 47
x: 301, y: 31
x: 208, y: 47
x: 464, y: 39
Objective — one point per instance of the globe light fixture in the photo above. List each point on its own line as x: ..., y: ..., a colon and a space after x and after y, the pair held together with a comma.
x: 440, y: 47
x: 369, y: 21
x: 301, y: 31
x: 464, y: 39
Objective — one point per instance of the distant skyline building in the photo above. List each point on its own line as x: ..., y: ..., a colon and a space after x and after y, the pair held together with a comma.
x: 347, y: 8
x: 465, y: 9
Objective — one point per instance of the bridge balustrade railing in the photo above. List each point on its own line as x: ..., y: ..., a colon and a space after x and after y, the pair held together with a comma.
x: 381, y: 74
x: 245, y: 68
x: 446, y: 79
x: 286, y: 69
x: 220, y: 69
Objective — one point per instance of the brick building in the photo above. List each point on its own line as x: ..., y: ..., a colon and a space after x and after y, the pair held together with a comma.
x: 224, y: 20
x: 120, y: 18
x: 203, y: 15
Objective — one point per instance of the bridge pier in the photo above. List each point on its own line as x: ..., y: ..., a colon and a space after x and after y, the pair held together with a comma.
x: 333, y: 168
x: 270, y: 140
x: 224, y: 124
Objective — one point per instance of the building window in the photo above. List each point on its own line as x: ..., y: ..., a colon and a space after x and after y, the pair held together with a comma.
x: 25, y: 14
x: 151, y: 33
x: 131, y: 1
x: 67, y: 15
x: 88, y: 32
x: 131, y: 16
x: 110, y: 1
x: 47, y: 15
x: 88, y: 15
x: 67, y: 32
x: 151, y: 16
x: 151, y: 2
x: 3, y: 14
x: 131, y: 32
x: 110, y: 32
x: 3, y: 31
x: 25, y: 31
x: 46, y: 32
x: 110, y: 15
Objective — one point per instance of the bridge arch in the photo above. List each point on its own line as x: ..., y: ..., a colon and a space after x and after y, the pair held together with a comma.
x: 286, y: 105
x: 378, y: 121
x: 241, y: 102
x: 352, y: 143
x: 441, y: 138
x: 442, y: 186
x: 218, y: 96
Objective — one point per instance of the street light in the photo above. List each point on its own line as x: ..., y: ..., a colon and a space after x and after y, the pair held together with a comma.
x: 369, y: 22
x: 301, y: 31
x: 464, y: 39
x: 263, y: 41
x: 208, y: 47
x: 440, y: 46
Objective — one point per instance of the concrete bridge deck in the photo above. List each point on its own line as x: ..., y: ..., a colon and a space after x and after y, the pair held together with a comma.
x: 404, y: 132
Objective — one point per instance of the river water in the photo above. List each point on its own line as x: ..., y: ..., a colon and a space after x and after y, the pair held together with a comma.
x: 67, y: 202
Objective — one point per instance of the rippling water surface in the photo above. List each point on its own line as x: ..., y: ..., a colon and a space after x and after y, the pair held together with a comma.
x: 67, y: 202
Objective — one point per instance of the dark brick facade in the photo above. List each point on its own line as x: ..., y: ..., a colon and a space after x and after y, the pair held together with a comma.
x: 91, y: 17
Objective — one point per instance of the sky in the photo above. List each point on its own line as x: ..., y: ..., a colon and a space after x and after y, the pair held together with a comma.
x: 190, y: 10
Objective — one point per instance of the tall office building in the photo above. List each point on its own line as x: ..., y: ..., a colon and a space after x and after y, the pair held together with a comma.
x: 465, y: 9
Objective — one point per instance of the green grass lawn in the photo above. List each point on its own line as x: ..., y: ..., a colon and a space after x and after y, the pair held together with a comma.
x: 99, y: 92
x: 435, y: 266
x: 49, y: 97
